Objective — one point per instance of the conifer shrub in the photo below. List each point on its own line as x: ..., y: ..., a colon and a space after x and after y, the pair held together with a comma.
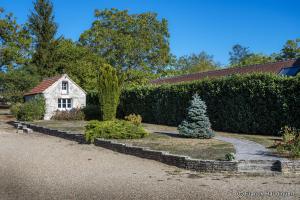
x: 196, y: 124
x: 109, y: 89
x: 114, y: 129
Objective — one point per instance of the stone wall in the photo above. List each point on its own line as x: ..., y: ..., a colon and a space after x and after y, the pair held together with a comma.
x: 286, y: 167
x: 290, y: 167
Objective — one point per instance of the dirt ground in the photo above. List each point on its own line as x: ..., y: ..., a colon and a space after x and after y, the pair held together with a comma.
x: 37, y: 166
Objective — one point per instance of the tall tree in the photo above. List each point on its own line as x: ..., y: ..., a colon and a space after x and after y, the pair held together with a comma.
x: 43, y: 28
x: 78, y: 62
x: 255, y: 59
x: 290, y: 50
x: 129, y: 41
x: 237, y: 54
x: 15, y: 42
x: 241, y: 56
x: 196, y: 63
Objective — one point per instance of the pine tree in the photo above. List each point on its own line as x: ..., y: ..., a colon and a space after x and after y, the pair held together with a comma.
x: 43, y: 28
x: 197, y: 124
x: 109, y: 90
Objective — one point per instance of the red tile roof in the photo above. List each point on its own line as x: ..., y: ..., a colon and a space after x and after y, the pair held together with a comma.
x: 40, y: 88
x: 273, y: 67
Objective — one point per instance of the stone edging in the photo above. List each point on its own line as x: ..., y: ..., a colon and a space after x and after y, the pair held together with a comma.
x: 286, y: 167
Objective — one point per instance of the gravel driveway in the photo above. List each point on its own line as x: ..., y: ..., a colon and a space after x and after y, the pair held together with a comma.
x: 38, y: 166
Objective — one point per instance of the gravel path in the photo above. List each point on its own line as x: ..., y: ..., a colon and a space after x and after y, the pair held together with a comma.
x: 37, y: 166
x: 248, y: 150
x: 245, y: 149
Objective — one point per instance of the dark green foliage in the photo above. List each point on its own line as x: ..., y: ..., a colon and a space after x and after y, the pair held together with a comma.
x: 254, y: 103
x: 115, y: 129
x: 109, y: 89
x: 43, y: 28
x: 73, y: 114
x: 196, y: 124
x: 230, y: 156
x: 78, y: 62
x: 14, y: 42
x: 15, y: 83
x: 129, y: 41
x: 92, y: 112
x: 32, y: 110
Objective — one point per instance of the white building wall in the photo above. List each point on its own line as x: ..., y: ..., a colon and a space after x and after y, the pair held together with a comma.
x: 54, y: 92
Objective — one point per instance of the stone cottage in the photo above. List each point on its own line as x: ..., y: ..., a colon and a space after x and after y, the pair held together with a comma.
x: 60, y: 93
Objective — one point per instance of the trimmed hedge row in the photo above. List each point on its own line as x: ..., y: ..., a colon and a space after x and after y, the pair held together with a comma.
x: 254, y: 103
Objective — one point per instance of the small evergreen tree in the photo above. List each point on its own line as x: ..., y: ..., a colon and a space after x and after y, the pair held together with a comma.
x: 197, y: 124
x: 109, y: 89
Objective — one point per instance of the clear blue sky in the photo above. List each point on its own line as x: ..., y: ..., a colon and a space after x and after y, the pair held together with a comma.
x: 195, y: 25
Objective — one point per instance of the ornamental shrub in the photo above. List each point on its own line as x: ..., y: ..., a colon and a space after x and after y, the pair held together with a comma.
x: 33, y: 109
x: 290, y: 143
x: 252, y: 103
x: 196, y: 124
x: 73, y: 114
x: 114, y: 129
x: 135, y: 119
x: 230, y: 156
x: 109, y: 89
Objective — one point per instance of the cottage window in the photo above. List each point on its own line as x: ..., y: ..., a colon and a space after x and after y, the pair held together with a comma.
x: 65, y: 86
x: 64, y: 103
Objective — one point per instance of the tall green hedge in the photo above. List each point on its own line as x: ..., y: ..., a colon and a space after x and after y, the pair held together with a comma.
x: 254, y: 103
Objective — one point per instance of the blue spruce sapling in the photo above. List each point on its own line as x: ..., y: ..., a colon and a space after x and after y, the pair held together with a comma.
x: 197, y: 124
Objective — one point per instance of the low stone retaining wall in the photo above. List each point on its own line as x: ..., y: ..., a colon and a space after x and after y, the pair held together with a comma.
x: 170, y: 159
x: 286, y: 167
x: 290, y: 167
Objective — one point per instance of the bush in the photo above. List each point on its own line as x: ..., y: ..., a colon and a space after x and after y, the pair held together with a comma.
x: 73, y: 114
x: 91, y: 112
x: 135, y: 119
x: 115, y: 129
x: 290, y: 142
x: 197, y: 124
x: 253, y: 103
x: 230, y: 156
x: 14, y: 109
x: 33, y: 109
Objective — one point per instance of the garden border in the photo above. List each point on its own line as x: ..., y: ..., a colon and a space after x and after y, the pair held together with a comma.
x: 285, y: 167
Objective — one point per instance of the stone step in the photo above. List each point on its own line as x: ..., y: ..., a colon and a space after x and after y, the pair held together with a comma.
x: 259, y: 166
x: 28, y: 130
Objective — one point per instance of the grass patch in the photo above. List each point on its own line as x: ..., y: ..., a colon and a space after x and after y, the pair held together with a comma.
x: 76, y: 126
x: 208, y: 149
x: 267, y: 141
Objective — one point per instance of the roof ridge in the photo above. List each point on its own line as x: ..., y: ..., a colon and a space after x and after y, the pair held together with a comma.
x: 228, y: 68
x: 43, y: 85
